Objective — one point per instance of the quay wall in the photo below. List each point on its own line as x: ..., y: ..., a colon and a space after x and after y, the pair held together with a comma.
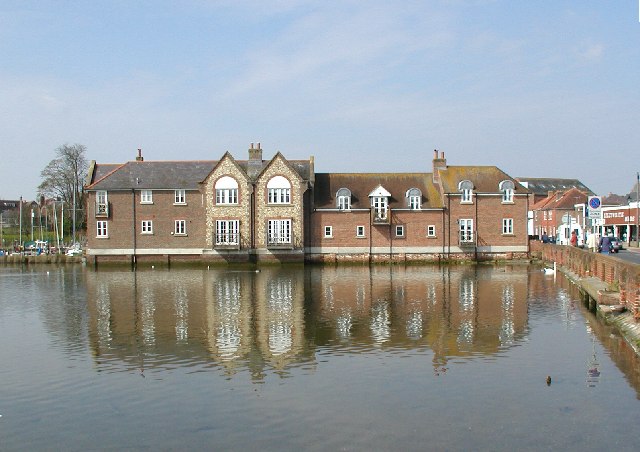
x: 18, y: 259
x: 612, y: 283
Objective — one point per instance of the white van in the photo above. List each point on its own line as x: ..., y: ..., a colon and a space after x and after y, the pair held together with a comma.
x: 564, y: 234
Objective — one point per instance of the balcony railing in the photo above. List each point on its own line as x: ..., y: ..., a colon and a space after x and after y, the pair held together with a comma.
x: 466, y: 240
x: 280, y: 241
x: 227, y: 241
x: 380, y: 216
x: 102, y: 209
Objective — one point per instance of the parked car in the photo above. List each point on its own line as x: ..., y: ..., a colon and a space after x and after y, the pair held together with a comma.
x: 616, y: 244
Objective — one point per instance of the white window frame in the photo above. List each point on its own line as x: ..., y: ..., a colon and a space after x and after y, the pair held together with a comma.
x: 343, y: 199
x: 102, y: 203
x: 146, y: 227
x: 102, y: 229
x: 227, y: 232
x: 180, y: 197
x: 414, y: 199
x: 380, y: 206
x: 360, y: 231
x: 180, y: 227
x: 328, y: 232
x: 467, y: 196
x: 465, y: 230
x: 431, y: 230
x: 399, y: 230
x: 507, y: 226
x: 279, y: 190
x: 226, y: 191
x: 146, y: 196
x: 279, y: 232
x: 507, y: 195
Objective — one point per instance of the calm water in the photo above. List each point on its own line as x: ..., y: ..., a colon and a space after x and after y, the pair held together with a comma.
x: 349, y: 358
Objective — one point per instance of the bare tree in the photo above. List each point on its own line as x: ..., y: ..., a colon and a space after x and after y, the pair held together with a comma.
x: 63, y: 178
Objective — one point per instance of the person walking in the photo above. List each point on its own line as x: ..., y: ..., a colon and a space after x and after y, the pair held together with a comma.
x: 605, y: 244
x: 592, y: 243
x: 574, y: 238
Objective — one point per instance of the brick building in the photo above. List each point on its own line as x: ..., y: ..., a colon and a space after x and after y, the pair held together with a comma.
x: 280, y: 210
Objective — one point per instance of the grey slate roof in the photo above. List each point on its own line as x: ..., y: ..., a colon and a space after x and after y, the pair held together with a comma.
x: 152, y: 175
x: 166, y: 175
x: 542, y: 186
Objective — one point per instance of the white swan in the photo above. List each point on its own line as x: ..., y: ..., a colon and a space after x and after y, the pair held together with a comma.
x: 550, y: 271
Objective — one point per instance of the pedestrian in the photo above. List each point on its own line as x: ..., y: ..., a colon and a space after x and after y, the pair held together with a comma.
x: 592, y: 243
x: 574, y: 239
x: 605, y: 244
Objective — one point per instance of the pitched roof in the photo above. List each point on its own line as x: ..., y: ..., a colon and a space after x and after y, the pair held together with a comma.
x: 362, y: 184
x: 542, y: 186
x: 167, y: 175
x: 485, y: 179
x: 561, y: 200
x: 152, y: 175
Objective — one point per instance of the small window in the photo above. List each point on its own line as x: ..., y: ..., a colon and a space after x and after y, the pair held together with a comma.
x: 399, y: 230
x: 180, y: 227
x: 180, y: 197
x: 507, y: 226
x: 328, y: 231
x: 147, y: 227
x: 146, y: 197
x: 359, y: 231
x: 431, y: 230
x: 101, y: 229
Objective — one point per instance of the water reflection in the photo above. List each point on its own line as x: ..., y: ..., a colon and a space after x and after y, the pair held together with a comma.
x: 281, y: 317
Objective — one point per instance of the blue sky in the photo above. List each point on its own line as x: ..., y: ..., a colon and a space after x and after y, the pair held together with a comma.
x: 537, y: 88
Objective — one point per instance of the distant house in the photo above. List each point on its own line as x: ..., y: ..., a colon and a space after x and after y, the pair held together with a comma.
x: 557, y: 209
x: 280, y: 210
x: 543, y: 187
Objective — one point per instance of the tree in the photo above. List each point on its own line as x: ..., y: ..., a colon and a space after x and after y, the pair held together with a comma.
x: 62, y: 179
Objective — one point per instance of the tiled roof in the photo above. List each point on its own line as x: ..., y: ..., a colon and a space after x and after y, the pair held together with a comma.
x: 361, y: 184
x: 561, y: 200
x: 485, y: 179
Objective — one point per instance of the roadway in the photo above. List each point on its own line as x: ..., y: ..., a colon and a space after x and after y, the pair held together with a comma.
x: 629, y: 255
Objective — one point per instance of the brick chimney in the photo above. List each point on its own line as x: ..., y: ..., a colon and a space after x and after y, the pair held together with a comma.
x: 255, y: 161
x: 139, y: 158
x: 439, y: 163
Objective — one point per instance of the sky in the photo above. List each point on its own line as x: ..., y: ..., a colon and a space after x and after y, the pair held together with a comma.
x: 537, y: 88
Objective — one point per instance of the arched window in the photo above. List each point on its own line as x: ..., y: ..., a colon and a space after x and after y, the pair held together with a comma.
x: 343, y: 199
x: 279, y: 190
x: 414, y: 199
x: 466, y: 188
x: 226, y: 190
x: 507, y: 187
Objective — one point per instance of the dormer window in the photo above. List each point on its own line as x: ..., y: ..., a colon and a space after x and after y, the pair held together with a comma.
x: 466, y: 190
x: 343, y: 199
x: 279, y: 190
x: 380, y: 204
x: 507, y: 187
x: 414, y: 199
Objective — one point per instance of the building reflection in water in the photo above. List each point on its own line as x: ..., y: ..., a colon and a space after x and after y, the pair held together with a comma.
x: 280, y: 317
